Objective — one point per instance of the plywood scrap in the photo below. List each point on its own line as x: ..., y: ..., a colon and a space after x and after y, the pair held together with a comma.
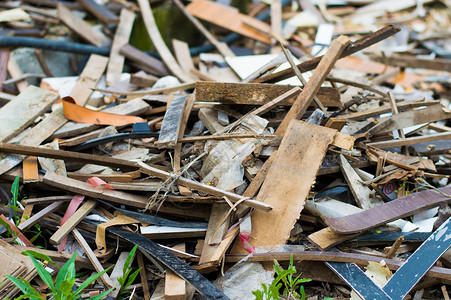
x: 30, y: 169
x: 171, y: 122
x: 16, y: 115
x: 395, y: 209
x: 286, y: 186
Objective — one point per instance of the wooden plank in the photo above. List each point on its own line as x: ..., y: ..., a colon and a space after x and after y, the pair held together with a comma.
x: 326, y: 238
x: 142, y: 79
x: 146, y: 62
x: 15, y: 72
x: 158, y: 42
x: 310, y: 90
x: 215, y: 232
x: 412, y: 141
x: 30, y: 170
x: 39, y: 215
x: 364, y: 42
x: 182, y: 269
x: 405, y: 61
x: 189, y: 103
x: 19, y: 113
x: 228, y: 18
x: 143, y: 275
x: 395, y: 209
x: 286, y: 186
x: 209, y: 118
x: 256, y: 93
x: 4, y: 57
x: 183, y: 56
x: 92, y: 257
x: 81, y: 27
x: 101, y: 12
x: 81, y: 92
x: 171, y: 122
x: 174, y: 286
x: 121, y: 37
x: 70, y: 224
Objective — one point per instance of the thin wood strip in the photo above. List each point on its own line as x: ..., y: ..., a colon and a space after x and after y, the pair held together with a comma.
x: 39, y: 215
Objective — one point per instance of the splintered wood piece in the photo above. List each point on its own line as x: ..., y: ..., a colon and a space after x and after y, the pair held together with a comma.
x: 70, y: 224
x: 186, y: 111
x: 4, y: 57
x: 123, y: 31
x: 158, y: 42
x: 183, y: 56
x: 209, y: 118
x: 88, y: 79
x: 81, y: 27
x: 143, y: 274
x: 92, y: 257
x: 215, y: 232
x: 182, y: 269
x: 384, y: 213
x: 412, y: 141
x: 229, y: 19
x: 221, y: 47
x: 99, y: 11
x: 19, y: 113
x: 326, y: 238
x: 361, y: 192
x: 174, y: 286
x: 53, y: 165
x: 364, y: 42
x: 256, y: 93
x: 171, y: 122
x: 287, y: 184
x: 310, y: 90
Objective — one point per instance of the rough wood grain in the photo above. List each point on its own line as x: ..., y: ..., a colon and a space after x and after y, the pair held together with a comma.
x: 17, y: 114
x: 398, y: 208
x: 288, y: 182
x: 312, y: 87
x: 256, y: 93
x: 174, y: 286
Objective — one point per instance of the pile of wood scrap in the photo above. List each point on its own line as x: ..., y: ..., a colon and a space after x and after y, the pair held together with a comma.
x: 314, y: 135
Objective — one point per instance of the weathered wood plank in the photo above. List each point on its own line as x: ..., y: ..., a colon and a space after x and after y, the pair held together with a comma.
x: 17, y: 114
x: 256, y: 93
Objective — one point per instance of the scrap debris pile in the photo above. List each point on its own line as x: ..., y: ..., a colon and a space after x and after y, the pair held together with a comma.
x: 220, y: 136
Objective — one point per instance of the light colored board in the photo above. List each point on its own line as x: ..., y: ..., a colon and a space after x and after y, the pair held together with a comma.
x: 326, y: 238
x: 81, y: 27
x: 39, y: 215
x: 19, y: 113
x: 183, y: 56
x: 88, y: 79
x: 287, y: 184
x: 412, y: 141
x: 15, y: 72
x: 158, y: 42
x: 228, y: 18
x: 174, y: 286
x: 53, y: 165
x: 70, y: 224
x: 92, y: 257
x: 171, y: 122
x: 215, y: 232
x: 143, y: 275
x: 310, y: 90
x: 189, y: 103
x: 209, y: 118
x: 123, y: 31
x: 30, y: 170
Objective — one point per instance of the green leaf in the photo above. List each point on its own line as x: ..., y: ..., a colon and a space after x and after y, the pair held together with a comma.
x: 65, y: 287
x: 132, y: 277
x: 21, y: 285
x: 45, y: 276
x: 129, y: 259
x: 15, y: 190
x: 100, y: 296
x: 8, y: 228
x: 40, y: 256
x: 90, y: 279
x: 67, y: 271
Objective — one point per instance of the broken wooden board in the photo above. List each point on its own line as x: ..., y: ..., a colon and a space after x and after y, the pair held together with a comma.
x: 182, y: 269
x: 287, y: 185
x: 19, y: 113
x: 100, y: 11
x: 123, y: 31
x: 229, y: 19
x: 171, y: 121
x: 312, y: 87
x: 174, y: 286
x: 256, y: 93
x: 81, y: 27
x: 326, y: 238
x: 146, y: 62
x: 395, y: 209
